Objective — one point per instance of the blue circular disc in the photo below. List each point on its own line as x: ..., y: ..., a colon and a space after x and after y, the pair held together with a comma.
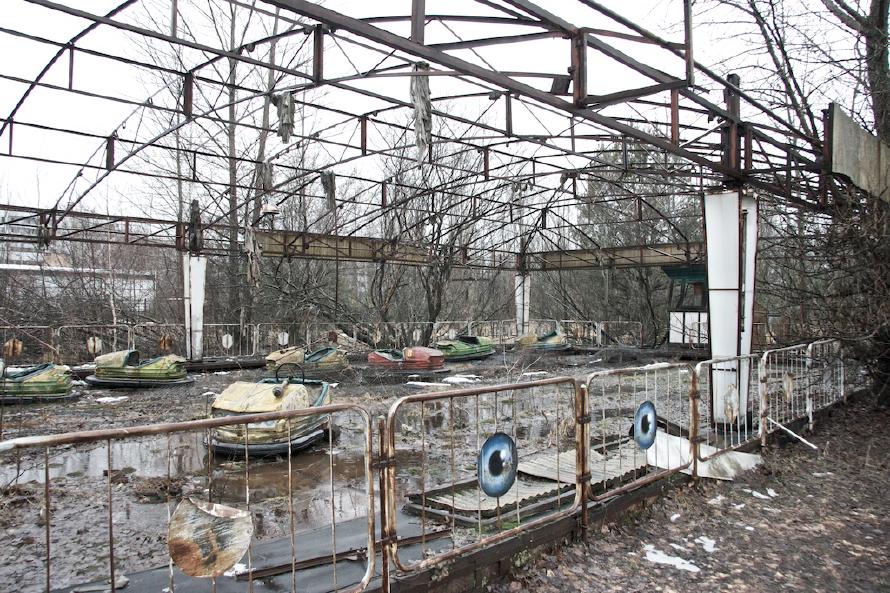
x: 497, y: 464
x: 645, y: 425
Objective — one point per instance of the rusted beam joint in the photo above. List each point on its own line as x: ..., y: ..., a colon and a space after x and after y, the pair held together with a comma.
x: 584, y: 419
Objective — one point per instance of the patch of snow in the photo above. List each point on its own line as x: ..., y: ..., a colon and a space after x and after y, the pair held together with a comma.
x: 236, y: 570
x: 220, y: 372
x: 111, y: 400
x: 659, y: 557
x: 756, y: 494
x: 332, y: 385
x: 458, y: 379
x: 674, y: 517
x: 78, y: 383
x: 597, y: 360
x: 749, y: 528
x: 739, y: 506
x: 209, y: 393
x: 425, y: 384
x: 772, y: 493
x: 717, y: 499
x: 678, y: 547
x: 707, y: 543
x: 822, y: 474
x: 534, y: 374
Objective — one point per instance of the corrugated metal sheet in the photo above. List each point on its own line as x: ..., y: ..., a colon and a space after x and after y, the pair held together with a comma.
x: 614, y: 464
x: 473, y: 499
x: 542, y: 472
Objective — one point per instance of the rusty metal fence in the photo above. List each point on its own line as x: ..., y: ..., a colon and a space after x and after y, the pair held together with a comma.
x: 603, y: 333
x: 79, y: 343
x: 629, y: 448
x: 562, y: 445
x: 154, y: 339
x: 172, y: 462
x: 31, y: 343
x: 798, y: 381
x: 442, y: 438
x: 76, y: 344
x: 726, y: 394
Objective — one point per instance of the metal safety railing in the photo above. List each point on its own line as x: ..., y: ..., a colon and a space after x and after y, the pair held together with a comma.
x: 561, y: 444
x: 335, y: 534
x: 726, y: 394
x: 75, y: 344
x: 32, y: 343
x: 603, y: 333
x: 437, y: 436
x: 79, y: 343
x: 797, y: 381
x: 154, y: 339
x: 642, y: 423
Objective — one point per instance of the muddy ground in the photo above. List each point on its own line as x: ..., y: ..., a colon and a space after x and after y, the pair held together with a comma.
x: 151, y: 474
x: 189, y: 402
x: 804, y: 521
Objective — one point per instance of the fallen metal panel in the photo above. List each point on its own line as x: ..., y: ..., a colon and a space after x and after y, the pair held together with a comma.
x: 603, y: 468
x: 473, y: 500
x: 858, y: 155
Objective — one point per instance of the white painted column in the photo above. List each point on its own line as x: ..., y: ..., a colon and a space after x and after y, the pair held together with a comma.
x: 194, y: 272
x: 731, y: 229
x: 522, y: 298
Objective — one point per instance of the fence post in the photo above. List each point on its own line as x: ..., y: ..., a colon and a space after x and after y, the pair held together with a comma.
x: 384, y: 531
x: 764, y: 398
x: 694, y: 420
x: 582, y: 448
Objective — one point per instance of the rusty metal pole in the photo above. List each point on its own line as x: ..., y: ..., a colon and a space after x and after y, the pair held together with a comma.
x: 418, y: 20
x: 694, y: 421
x: 764, y: 400
x: 110, y: 520
x: 582, y: 449
x: 384, y: 532
x: 579, y: 69
x: 48, y: 513
x: 687, y: 41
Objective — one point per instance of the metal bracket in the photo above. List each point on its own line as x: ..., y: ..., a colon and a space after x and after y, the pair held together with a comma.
x: 585, y: 419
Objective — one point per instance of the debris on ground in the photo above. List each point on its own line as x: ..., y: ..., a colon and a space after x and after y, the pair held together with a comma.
x: 817, y: 523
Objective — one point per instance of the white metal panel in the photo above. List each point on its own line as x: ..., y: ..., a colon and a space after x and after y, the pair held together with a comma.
x: 723, y: 243
x: 722, y: 229
x: 195, y: 272
x: 187, y: 303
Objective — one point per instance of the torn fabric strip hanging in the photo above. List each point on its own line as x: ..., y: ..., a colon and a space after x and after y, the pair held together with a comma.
x: 284, y: 102
x: 253, y: 252
x: 329, y: 184
x: 423, y: 110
